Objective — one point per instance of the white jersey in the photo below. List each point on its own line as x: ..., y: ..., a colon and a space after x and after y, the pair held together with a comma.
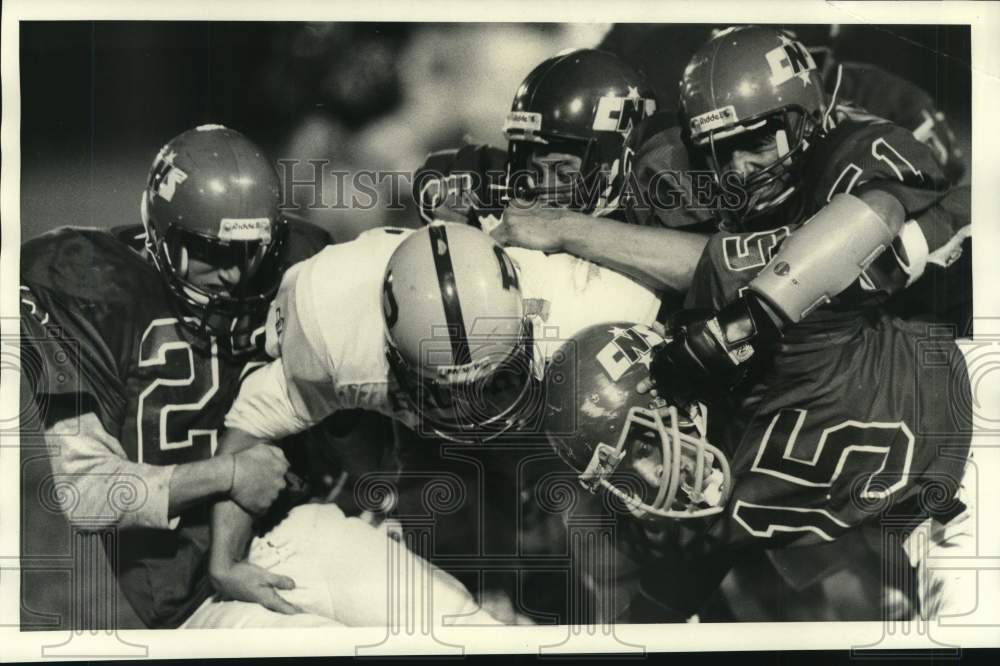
x: 326, y: 332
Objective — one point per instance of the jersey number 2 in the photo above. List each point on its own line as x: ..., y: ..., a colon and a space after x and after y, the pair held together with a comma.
x: 187, y: 390
x: 883, y: 450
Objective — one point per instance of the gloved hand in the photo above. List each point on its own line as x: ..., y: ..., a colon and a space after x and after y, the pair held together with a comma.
x: 709, y: 351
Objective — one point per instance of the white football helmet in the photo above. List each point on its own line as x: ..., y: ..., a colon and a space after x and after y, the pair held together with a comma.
x: 458, y: 340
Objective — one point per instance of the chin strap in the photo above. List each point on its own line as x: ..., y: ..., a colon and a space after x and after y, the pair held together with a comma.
x: 827, y: 115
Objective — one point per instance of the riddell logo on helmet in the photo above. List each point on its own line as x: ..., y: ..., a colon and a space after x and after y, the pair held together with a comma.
x: 714, y: 119
x: 523, y: 121
x: 252, y: 229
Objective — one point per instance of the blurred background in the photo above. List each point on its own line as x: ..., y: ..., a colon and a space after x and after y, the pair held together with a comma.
x: 99, y: 99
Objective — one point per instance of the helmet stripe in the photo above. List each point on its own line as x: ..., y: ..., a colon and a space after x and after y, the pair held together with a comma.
x: 441, y: 252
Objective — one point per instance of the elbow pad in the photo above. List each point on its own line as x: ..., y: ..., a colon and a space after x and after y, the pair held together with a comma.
x: 823, y: 257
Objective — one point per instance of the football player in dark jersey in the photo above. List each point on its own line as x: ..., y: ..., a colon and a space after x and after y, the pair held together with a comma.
x: 671, y: 188
x: 787, y: 311
x: 562, y: 185
x: 820, y: 446
x: 944, y: 294
x: 142, y: 335
x: 755, y: 108
x: 883, y: 93
x: 566, y: 132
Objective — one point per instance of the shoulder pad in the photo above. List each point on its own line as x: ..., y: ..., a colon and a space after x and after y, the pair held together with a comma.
x: 85, y: 263
x: 304, y: 240
x: 884, y: 94
x: 855, y: 153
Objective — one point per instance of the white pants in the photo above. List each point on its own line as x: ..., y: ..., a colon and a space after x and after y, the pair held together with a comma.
x: 942, y: 591
x: 953, y: 563
x: 346, y: 572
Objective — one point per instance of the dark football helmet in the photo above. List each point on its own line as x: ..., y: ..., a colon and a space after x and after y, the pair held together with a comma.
x: 212, y: 197
x: 458, y: 339
x: 582, y: 103
x: 651, y: 454
x: 754, y: 81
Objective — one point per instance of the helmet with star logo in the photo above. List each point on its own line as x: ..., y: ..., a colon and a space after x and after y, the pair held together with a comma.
x: 582, y: 105
x: 749, y: 85
x: 211, y: 206
x: 649, y: 452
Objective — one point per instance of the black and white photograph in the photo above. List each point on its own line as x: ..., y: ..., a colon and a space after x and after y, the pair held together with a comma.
x: 498, y: 327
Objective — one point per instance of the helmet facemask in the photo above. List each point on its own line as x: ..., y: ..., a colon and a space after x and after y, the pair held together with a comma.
x: 792, y: 130
x: 753, y: 79
x: 476, y: 402
x: 592, y: 188
x: 662, y: 470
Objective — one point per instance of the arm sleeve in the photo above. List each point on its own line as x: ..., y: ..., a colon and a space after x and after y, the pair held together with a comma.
x: 97, y: 486
x: 728, y: 263
x: 263, y: 407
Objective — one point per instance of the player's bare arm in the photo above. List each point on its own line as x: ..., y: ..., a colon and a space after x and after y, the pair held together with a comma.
x: 196, y: 482
x: 232, y: 524
x: 657, y: 257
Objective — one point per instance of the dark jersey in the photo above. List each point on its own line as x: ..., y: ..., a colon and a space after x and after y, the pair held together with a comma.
x: 862, y: 153
x: 668, y: 187
x: 470, y: 181
x: 101, y: 324
x: 856, y: 156
x: 903, y: 103
x: 856, y: 416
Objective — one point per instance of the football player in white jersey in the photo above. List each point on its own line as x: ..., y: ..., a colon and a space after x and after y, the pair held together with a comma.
x: 439, y: 328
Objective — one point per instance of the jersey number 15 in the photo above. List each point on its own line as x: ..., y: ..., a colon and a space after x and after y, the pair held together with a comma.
x: 879, y: 455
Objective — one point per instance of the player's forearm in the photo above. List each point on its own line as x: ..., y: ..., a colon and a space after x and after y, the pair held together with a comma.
x: 231, y: 525
x: 659, y: 258
x: 827, y: 253
x: 231, y: 529
x: 196, y: 482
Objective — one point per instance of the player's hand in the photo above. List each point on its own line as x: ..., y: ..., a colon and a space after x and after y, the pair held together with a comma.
x: 244, y: 581
x: 452, y: 208
x: 258, y: 477
x: 709, y: 352
x: 531, y: 226
x: 696, y: 362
